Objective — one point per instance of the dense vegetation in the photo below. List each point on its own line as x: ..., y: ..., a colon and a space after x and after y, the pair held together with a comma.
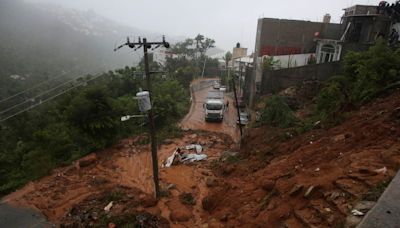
x: 82, y: 121
x: 87, y: 118
x: 365, y: 75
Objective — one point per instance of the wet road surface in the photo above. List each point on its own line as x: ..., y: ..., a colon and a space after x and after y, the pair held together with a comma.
x: 195, y: 118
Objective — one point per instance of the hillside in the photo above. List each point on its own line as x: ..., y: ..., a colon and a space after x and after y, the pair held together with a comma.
x: 40, y: 41
x: 266, y: 182
x: 340, y: 167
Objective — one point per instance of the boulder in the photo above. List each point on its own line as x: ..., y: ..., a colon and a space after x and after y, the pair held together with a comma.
x: 211, y: 182
x: 180, y: 215
x: 208, y: 203
x: 267, y: 185
x: 147, y: 200
x: 86, y: 161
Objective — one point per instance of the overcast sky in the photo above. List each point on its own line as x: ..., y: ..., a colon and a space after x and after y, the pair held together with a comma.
x: 226, y: 21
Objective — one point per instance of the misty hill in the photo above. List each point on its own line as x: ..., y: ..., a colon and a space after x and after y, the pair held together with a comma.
x: 40, y: 41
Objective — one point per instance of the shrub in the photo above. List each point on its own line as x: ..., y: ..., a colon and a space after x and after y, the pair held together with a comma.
x: 365, y: 74
x: 277, y: 113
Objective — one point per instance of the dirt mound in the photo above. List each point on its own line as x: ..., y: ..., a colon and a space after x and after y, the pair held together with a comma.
x: 313, y: 179
x: 124, y: 207
x: 73, y: 195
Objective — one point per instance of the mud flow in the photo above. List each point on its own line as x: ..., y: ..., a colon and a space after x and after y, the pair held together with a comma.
x: 77, y: 195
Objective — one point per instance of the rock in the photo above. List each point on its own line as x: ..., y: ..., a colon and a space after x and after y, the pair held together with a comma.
x: 357, y: 212
x: 267, y: 185
x: 352, y: 221
x: 147, y: 200
x: 168, y: 141
x: 94, y: 215
x: 309, y: 191
x: 154, y: 210
x: 364, y: 206
x: 86, y: 161
x: 296, y: 189
x: 381, y: 171
x: 226, y: 170
x: 224, y: 218
x: 208, y: 203
x: 193, y: 136
x: 339, y: 138
x: 171, y: 186
x: 180, y: 215
x: 187, y: 198
x: 211, y: 182
x: 108, y: 207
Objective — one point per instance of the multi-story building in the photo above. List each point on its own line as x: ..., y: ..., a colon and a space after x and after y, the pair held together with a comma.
x: 286, y: 40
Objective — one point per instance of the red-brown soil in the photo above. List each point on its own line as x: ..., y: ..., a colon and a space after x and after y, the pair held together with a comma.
x: 267, y: 187
x: 264, y: 187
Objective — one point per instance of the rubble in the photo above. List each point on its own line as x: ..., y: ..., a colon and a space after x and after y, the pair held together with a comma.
x: 296, y: 189
x: 108, y: 207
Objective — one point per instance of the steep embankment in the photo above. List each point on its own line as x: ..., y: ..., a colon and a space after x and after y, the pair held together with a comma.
x: 313, y: 179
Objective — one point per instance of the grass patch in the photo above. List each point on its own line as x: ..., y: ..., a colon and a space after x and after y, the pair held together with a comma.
x: 116, y: 196
x: 232, y: 159
x: 374, y: 193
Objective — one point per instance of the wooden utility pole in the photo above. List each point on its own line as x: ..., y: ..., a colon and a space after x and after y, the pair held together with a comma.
x: 146, y: 45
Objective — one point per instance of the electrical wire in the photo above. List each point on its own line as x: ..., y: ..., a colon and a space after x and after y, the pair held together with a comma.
x: 37, y: 85
x: 50, y: 98
x: 41, y: 94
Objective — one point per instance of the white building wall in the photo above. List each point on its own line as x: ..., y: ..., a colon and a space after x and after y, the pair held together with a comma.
x: 288, y: 61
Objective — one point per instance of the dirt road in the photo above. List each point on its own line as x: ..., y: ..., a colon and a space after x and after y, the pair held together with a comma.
x: 195, y: 118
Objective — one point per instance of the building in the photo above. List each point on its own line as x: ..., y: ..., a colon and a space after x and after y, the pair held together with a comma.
x: 294, y: 41
x: 281, y: 37
x: 289, y: 39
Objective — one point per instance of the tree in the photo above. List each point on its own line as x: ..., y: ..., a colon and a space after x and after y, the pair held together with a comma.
x: 184, y: 49
x: 227, y: 58
x: 91, y: 112
x: 269, y: 63
x: 203, y: 44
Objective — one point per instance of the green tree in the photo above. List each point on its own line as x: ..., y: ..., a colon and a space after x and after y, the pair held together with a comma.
x: 91, y: 112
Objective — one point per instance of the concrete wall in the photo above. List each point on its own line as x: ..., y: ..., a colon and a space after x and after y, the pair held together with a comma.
x: 288, y: 61
x: 239, y: 52
x: 276, y: 80
x: 365, y: 29
x: 283, y: 37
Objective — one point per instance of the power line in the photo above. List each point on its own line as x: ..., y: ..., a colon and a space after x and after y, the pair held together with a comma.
x: 35, y: 86
x: 50, y: 98
x: 41, y: 94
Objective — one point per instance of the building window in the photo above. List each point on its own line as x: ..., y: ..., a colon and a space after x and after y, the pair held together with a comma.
x: 327, y: 53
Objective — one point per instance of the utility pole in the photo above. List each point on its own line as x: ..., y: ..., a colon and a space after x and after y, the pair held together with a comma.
x: 237, y: 107
x: 147, y: 45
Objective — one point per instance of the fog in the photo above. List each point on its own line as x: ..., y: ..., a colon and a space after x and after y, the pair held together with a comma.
x: 226, y: 21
